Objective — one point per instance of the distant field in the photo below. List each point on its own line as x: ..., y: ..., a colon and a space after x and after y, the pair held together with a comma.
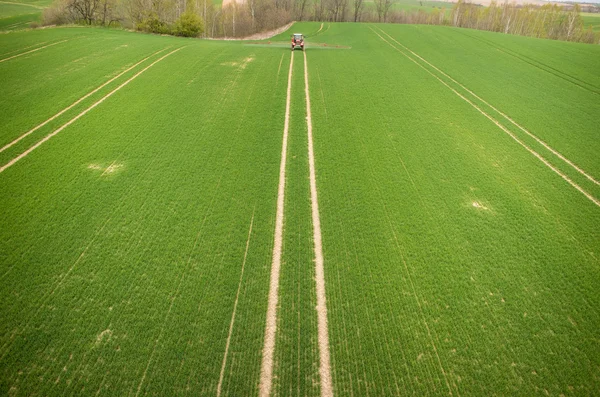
x: 412, y: 5
x: 592, y: 20
x: 11, y: 10
x: 15, y: 15
x: 407, y: 5
x: 35, y: 3
x: 19, y: 22
x: 458, y: 203
x: 427, y: 6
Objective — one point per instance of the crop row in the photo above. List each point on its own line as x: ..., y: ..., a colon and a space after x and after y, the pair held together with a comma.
x: 546, y: 86
x: 125, y: 235
x: 455, y: 260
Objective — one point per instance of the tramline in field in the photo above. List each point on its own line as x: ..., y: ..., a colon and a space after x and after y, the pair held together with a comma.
x: 245, y: 227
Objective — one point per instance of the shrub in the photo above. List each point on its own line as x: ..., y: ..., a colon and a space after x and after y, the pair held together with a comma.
x: 56, y: 14
x: 152, y: 24
x: 188, y: 25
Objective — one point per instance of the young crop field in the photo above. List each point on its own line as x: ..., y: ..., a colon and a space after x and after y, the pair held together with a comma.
x: 591, y: 19
x: 18, y: 14
x: 400, y: 209
x: 414, y: 5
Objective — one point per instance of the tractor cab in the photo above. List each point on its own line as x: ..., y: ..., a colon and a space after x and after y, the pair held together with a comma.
x: 297, y: 41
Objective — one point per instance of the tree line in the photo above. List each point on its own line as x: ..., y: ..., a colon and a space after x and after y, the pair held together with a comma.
x: 549, y: 21
x: 202, y: 18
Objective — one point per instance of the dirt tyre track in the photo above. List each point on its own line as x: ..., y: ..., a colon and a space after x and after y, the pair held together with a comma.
x: 497, y: 123
x: 266, y: 370
x: 30, y: 51
x: 323, y: 332
x: 55, y: 132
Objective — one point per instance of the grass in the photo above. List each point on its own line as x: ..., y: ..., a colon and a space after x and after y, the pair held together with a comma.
x: 455, y: 260
x: 19, y: 22
x: 20, y: 14
x: 11, y: 10
x: 297, y: 348
x: 591, y: 19
x: 421, y: 283
x: 33, y: 3
x: 164, y: 248
x: 72, y: 58
x: 414, y: 5
x: 541, y: 81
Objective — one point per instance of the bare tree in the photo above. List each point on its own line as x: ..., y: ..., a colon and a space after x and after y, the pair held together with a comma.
x: 250, y: 16
x: 108, y: 12
x: 319, y: 10
x: 358, y: 6
x: 300, y: 9
x: 574, y: 22
x: 84, y: 10
x: 337, y: 10
x: 383, y: 8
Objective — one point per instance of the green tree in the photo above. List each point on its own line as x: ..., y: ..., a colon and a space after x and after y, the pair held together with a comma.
x: 189, y: 24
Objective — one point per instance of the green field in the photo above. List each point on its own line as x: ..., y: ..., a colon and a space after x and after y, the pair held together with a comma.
x: 458, y: 202
x: 414, y: 5
x: 590, y: 19
x: 18, y: 14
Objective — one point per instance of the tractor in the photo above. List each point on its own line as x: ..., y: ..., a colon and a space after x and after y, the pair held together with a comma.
x: 297, y: 41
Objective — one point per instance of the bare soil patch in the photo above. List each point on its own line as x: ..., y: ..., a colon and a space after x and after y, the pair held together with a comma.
x: 103, y: 336
x: 261, y: 35
x: 478, y: 205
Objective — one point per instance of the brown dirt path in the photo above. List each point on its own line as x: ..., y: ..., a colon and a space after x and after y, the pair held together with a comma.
x: 260, y: 35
